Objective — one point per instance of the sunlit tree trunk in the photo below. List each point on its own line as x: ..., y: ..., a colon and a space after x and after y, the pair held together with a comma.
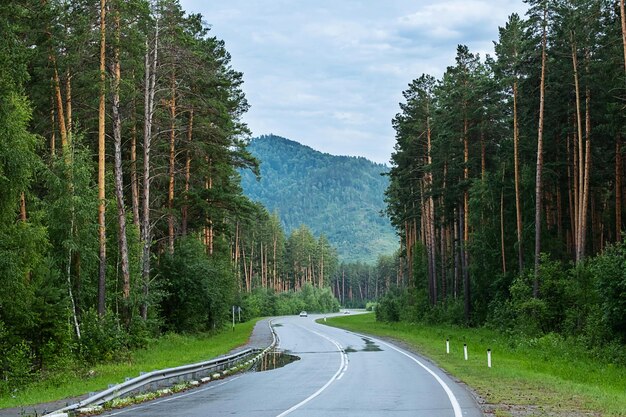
x: 170, y: 193
x: 101, y: 155
x: 538, y: 185
x: 59, y: 102
x: 518, y: 205
x: 119, y: 181
x: 187, y: 175
x: 618, y: 154
x: 618, y: 188
x: 146, y: 228
x: 53, y: 123
x: 134, y: 181
x: 587, y: 168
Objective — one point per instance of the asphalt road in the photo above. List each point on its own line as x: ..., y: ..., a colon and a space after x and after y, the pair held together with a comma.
x: 338, y: 374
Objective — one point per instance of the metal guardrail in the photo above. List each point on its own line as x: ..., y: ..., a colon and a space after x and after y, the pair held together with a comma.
x: 151, y: 381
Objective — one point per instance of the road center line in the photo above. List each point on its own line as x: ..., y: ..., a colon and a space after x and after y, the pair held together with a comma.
x: 343, y: 367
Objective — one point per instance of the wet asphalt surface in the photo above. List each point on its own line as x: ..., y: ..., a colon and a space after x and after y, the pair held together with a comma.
x: 335, y: 373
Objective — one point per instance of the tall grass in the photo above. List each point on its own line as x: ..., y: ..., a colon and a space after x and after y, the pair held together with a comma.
x: 166, y: 352
x: 545, y: 375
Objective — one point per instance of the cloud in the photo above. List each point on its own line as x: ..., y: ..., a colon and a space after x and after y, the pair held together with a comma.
x: 330, y: 74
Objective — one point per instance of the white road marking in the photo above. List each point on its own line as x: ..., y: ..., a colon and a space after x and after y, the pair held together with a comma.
x: 455, y: 403
x: 343, y: 367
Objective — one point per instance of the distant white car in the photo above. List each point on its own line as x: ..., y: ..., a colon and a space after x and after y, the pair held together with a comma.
x: 346, y: 312
x: 303, y: 314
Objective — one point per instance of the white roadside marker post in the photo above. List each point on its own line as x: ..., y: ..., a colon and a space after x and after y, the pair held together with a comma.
x: 447, y: 345
x: 465, y: 350
x: 489, y: 358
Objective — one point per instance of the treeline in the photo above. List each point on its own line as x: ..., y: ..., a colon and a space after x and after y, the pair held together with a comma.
x: 121, y: 211
x: 266, y: 258
x: 507, y: 180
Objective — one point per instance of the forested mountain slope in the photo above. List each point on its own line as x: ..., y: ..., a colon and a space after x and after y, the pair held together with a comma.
x: 339, y: 196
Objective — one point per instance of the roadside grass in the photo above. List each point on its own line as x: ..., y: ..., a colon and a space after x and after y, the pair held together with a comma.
x: 535, y: 377
x: 166, y: 352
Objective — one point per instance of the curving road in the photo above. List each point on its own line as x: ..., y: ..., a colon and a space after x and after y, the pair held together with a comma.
x: 339, y: 374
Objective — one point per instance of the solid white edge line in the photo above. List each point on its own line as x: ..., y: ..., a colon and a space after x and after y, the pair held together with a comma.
x: 455, y: 403
x: 342, y: 369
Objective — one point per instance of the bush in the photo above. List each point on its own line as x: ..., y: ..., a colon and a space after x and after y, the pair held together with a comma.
x: 198, y: 290
x: 609, y: 270
x: 390, y: 306
x: 15, y: 362
x: 103, y: 339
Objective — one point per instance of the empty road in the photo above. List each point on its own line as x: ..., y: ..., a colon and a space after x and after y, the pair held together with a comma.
x: 338, y: 373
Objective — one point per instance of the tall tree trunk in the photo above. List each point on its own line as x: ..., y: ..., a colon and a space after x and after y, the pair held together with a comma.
x: 68, y: 106
x: 518, y: 205
x: 187, y: 174
x: 274, y: 259
x: 23, y: 206
x: 502, y: 245
x: 538, y: 185
x: 587, y: 167
x: 618, y: 187
x: 134, y: 181
x: 53, y: 140
x: 467, y: 302
x: 618, y: 155
x: 146, y: 228
x: 59, y: 102
x: 483, y: 153
x: 119, y: 181
x: 579, y: 161
x: 431, y: 208
x: 170, y: 193
x: 208, y: 227
x: 101, y: 154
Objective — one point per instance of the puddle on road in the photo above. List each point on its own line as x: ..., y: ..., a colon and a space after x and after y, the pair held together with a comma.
x: 370, y: 346
x: 275, y: 359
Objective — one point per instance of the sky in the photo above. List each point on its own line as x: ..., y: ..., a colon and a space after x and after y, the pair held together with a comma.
x: 330, y: 73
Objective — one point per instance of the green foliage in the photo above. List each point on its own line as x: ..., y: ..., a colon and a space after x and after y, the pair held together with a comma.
x: 609, y: 270
x: 198, y: 290
x: 102, y: 339
x: 263, y: 302
x: 15, y: 362
x: 390, y: 306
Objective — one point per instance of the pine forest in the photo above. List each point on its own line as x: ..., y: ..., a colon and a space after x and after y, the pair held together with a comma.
x: 123, y: 217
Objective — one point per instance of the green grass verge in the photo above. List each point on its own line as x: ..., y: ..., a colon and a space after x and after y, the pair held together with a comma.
x: 169, y: 351
x: 535, y: 377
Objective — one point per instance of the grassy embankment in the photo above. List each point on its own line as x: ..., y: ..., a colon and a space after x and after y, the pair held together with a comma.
x: 166, y: 352
x: 537, y: 377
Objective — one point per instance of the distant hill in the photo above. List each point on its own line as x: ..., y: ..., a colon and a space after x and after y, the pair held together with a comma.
x: 339, y: 196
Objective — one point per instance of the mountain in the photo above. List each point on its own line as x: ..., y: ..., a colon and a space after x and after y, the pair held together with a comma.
x: 339, y: 196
